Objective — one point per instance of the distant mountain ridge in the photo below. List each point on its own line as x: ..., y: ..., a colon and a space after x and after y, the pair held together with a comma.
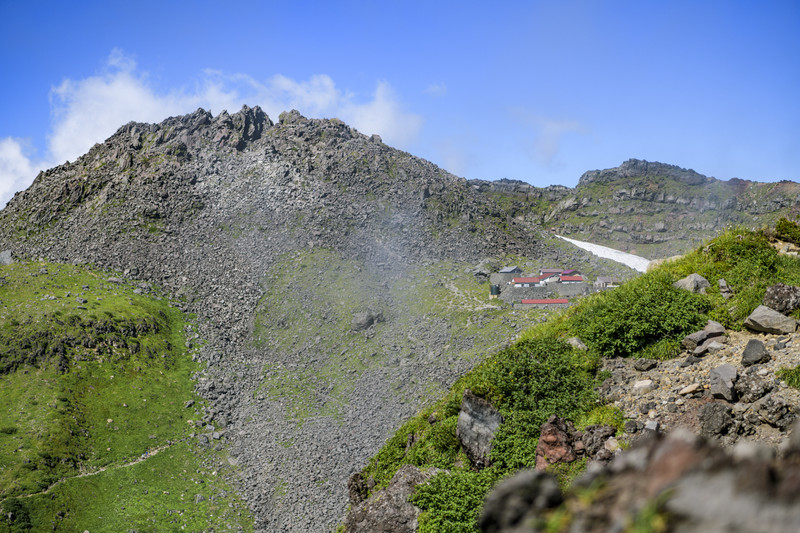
x: 648, y: 208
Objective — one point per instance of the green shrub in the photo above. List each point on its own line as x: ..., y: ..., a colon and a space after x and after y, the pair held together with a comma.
x: 452, y: 501
x: 787, y: 231
x: 640, y: 313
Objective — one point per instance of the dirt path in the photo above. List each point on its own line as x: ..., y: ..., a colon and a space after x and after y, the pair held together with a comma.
x: 147, y: 455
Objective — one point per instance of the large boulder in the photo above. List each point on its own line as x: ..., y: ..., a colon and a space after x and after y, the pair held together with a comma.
x: 477, y: 423
x: 5, y: 258
x: 364, y: 319
x: 693, y: 283
x: 755, y: 353
x: 388, y: 510
x: 555, y: 443
x: 768, y: 320
x: 782, y: 298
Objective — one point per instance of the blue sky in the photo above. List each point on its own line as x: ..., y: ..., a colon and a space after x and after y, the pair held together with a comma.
x: 536, y: 91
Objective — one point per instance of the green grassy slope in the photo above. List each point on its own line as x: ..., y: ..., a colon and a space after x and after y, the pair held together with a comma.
x: 94, y: 377
x: 540, y: 374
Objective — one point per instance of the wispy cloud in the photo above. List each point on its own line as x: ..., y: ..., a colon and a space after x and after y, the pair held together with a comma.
x: 547, y: 143
x: 89, y: 110
x: 548, y: 134
x: 437, y: 89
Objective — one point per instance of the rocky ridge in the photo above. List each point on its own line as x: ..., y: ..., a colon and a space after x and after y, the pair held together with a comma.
x: 216, y: 209
x: 647, y: 208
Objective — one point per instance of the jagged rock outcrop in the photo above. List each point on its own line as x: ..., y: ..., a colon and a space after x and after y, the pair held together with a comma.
x: 389, y: 510
x: 678, y: 482
x: 477, y: 423
x: 635, y: 168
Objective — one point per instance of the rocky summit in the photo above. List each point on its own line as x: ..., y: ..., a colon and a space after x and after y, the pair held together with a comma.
x: 325, y: 269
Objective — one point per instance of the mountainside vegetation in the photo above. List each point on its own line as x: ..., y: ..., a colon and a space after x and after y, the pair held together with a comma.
x: 95, y: 378
x: 542, y: 375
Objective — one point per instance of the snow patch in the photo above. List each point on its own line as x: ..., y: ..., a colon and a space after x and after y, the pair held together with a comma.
x: 635, y: 262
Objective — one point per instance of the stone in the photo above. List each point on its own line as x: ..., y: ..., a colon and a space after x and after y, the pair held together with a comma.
x: 715, y: 419
x: 755, y: 353
x: 702, y: 349
x: 477, y: 423
x: 643, y: 365
x: 768, y: 320
x: 518, y: 499
x: 715, y: 347
x: 775, y: 411
x: 576, y: 343
x: 690, y: 360
x: 555, y: 443
x: 700, y: 487
x: 364, y: 319
x: 651, y: 425
x: 782, y: 298
x: 5, y: 258
x: 388, y: 510
x: 714, y: 329
x: 199, y: 498
x: 692, y: 341
x: 752, y: 387
x: 722, y: 380
x: 595, y: 436
x: 689, y: 389
x: 724, y: 289
x: 693, y: 283
x: 642, y: 387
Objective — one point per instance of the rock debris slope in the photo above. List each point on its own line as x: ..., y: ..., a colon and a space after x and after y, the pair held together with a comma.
x: 275, y: 234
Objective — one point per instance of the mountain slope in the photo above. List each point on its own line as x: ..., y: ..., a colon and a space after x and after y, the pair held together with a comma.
x: 610, y: 366
x: 647, y: 208
x: 331, y: 275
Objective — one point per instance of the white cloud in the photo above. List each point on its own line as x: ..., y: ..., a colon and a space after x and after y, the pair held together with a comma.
x: 89, y: 110
x: 437, y: 89
x: 16, y: 169
x: 548, y: 136
x: 383, y: 116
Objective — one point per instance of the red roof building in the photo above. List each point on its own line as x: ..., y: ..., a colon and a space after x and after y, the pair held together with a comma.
x: 571, y: 278
x: 525, y: 280
x: 546, y: 301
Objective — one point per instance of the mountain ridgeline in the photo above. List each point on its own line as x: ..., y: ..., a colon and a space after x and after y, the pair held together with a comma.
x: 647, y: 208
x: 337, y: 283
x: 331, y: 275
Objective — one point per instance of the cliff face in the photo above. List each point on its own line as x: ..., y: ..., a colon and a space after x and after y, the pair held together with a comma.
x: 651, y: 209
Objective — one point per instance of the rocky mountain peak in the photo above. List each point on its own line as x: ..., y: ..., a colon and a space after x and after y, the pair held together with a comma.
x: 637, y: 168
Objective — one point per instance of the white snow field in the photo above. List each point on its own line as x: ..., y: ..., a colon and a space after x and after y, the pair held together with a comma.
x: 633, y: 261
